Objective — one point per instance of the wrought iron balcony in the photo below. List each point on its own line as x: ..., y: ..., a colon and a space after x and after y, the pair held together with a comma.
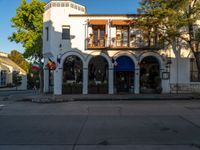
x: 120, y: 44
x: 93, y: 43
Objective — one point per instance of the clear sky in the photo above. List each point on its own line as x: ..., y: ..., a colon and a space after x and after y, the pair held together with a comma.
x: 8, y: 10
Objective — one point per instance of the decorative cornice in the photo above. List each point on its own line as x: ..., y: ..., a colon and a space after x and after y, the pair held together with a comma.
x: 105, y: 15
x: 65, y: 3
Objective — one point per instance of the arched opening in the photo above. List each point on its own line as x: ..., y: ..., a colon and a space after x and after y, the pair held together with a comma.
x: 124, y: 75
x: 150, y: 81
x: 72, y: 75
x: 98, y: 75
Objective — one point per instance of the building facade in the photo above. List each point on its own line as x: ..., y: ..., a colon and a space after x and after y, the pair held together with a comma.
x: 7, y: 68
x: 108, y: 54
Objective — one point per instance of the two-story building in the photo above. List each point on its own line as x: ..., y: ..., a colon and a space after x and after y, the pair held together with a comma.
x: 107, y: 53
x: 7, y: 69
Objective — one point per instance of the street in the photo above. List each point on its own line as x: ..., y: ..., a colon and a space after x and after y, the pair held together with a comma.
x: 96, y: 125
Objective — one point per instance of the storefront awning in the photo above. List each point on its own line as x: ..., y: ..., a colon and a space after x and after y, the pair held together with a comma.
x: 122, y: 22
x: 98, y: 22
x: 124, y: 64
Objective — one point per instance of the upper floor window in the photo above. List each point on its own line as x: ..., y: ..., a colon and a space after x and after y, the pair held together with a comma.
x: 194, y: 74
x: 66, y: 32
x: 122, y: 36
x: 47, y: 33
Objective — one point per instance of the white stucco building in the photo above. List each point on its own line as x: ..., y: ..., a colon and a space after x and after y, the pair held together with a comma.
x: 104, y: 53
x: 7, y: 67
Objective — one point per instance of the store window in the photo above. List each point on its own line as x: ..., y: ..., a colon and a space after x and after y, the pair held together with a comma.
x: 72, y: 75
x: 3, y: 78
x: 98, y: 75
x: 194, y: 74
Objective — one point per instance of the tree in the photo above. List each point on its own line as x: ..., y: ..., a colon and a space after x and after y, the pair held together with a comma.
x: 19, y: 59
x: 176, y: 22
x: 17, y: 79
x: 28, y: 22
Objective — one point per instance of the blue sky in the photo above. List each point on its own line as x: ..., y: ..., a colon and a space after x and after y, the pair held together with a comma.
x: 8, y: 9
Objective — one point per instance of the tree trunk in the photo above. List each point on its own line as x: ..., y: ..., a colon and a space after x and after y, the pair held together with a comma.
x: 41, y: 81
x: 41, y: 76
x: 177, y: 55
x: 149, y: 38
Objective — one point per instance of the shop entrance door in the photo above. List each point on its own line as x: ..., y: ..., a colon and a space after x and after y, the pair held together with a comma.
x: 124, y: 82
x: 124, y: 75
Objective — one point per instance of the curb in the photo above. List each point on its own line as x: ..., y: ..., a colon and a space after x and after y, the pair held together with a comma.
x: 73, y: 98
x: 58, y: 99
x: 135, y: 99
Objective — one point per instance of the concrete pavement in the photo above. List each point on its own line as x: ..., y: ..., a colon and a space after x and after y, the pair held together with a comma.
x: 49, y: 98
x: 100, y: 125
x: 104, y: 133
x: 118, y: 147
x: 116, y: 97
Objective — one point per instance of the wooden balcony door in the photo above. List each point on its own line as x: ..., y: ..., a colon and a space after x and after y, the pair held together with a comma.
x: 122, y: 36
x: 99, y: 36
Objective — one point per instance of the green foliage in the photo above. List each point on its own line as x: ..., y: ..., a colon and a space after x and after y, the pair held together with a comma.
x: 17, y: 79
x: 19, y: 59
x: 171, y: 17
x: 175, y: 20
x: 29, y: 23
x: 197, y: 35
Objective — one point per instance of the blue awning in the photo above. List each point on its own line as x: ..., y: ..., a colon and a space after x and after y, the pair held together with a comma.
x: 124, y: 64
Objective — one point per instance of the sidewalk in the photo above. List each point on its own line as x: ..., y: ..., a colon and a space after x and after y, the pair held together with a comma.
x: 116, y: 97
x: 47, y: 98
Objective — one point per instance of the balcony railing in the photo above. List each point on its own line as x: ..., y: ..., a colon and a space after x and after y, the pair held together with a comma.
x: 96, y: 43
x: 132, y: 43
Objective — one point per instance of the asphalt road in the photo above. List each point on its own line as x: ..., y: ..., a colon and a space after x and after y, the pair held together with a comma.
x: 119, y: 125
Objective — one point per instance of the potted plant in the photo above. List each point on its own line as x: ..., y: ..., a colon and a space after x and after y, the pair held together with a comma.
x: 92, y: 87
x: 157, y: 81
x: 76, y: 88
x: 103, y: 87
x: 67, y: 88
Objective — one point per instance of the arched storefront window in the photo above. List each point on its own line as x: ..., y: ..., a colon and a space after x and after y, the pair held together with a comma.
x: 72, y: 75
x: 98, y: 75
x: 150, y: 81
x: 124, y: 75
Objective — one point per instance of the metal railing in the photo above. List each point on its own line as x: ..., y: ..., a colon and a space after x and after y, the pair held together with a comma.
x: 113, y: 43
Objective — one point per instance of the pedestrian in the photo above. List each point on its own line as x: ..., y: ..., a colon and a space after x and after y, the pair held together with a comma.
x: 35, y: 89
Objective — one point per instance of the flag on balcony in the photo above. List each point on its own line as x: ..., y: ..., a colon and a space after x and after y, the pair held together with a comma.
x: 35, y: 66
x: 58, y: 59
x: 51, y: 65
